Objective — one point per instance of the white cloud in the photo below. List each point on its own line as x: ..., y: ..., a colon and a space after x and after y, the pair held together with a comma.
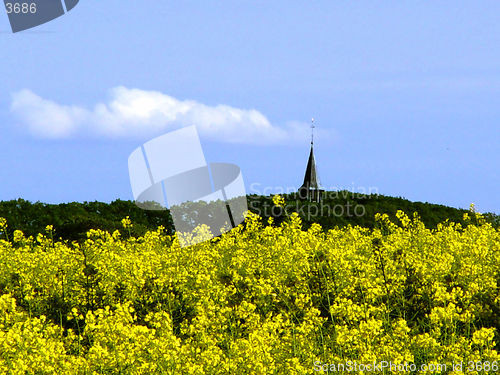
x: 45, y: 118
x: 134, y: 112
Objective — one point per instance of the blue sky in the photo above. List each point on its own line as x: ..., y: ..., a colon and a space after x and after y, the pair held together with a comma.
x: 404, y: 95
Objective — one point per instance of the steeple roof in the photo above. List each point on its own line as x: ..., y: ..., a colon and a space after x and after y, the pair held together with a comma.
x: 311, y: 179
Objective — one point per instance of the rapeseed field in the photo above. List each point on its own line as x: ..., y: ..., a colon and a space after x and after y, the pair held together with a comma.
x: 257, y: 300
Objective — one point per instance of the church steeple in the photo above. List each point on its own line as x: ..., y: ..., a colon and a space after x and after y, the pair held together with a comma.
x: 311, y: 189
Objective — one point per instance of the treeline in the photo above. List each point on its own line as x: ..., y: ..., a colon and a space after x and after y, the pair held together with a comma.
x: 71, y: 221
x: 343, y: 208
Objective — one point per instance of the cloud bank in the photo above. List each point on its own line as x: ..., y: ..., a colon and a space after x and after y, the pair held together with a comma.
x: 136, y: 113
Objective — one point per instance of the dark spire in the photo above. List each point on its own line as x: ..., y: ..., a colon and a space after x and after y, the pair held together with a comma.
x: 312, y: 182
x: 311, y: 178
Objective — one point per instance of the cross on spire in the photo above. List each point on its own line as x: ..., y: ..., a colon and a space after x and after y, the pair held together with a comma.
x: 312, y: 130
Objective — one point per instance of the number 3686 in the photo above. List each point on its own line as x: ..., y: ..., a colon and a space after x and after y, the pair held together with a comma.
x: 21, y: 8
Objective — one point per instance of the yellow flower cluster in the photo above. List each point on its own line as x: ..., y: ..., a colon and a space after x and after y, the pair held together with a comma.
x: 257, y: 300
